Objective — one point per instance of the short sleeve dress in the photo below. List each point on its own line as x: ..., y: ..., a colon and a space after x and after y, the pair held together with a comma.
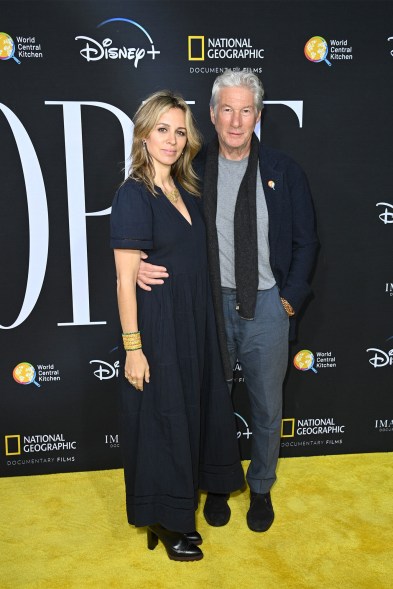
x: 179, y: 434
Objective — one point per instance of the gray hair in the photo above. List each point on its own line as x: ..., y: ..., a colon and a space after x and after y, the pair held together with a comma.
x: 231, y: 79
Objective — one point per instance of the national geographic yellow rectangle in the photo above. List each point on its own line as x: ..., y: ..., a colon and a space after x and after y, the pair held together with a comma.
x: 196, y: 48
x: 288, y: 427
x: 12, y: 445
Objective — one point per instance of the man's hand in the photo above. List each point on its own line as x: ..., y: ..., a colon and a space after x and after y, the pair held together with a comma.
x: 150, y: 274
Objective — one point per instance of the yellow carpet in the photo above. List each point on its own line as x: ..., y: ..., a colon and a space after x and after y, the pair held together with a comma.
x: 333, y: 529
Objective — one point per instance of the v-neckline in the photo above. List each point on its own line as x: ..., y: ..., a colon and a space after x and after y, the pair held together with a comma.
x: 176, y: 209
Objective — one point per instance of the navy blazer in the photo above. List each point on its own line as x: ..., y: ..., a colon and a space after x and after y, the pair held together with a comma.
x: 292, y: 228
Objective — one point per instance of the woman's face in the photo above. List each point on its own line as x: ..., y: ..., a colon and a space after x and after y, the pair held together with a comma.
x: 168, y: 138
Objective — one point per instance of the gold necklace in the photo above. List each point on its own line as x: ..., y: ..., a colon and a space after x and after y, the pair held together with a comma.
x: 173, y: 195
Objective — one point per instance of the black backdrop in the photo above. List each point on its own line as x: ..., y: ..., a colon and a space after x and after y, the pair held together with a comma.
x: 65, y: 131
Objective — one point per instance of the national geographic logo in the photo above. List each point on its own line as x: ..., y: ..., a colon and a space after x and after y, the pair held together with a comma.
x: 288, y: 427
x: 15, y: 444
x: 196, y: 48
x: 201, y: 48
x: 12, y: 445
x: 308, y: 427
x: 305, y: 428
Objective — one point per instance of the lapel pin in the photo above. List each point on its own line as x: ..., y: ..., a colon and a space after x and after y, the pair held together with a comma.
x: 271, y: 184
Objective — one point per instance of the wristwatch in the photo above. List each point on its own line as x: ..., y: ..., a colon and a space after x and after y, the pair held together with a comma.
x: 287, y: 307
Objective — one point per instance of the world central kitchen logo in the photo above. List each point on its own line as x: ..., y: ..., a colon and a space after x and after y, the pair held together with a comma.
x: 7, y: 48
x: 106, y: 48
x: 25, y: 373
x: 317, y: 50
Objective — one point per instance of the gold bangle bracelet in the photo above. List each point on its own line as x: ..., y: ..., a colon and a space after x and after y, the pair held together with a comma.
x: 132, y: 341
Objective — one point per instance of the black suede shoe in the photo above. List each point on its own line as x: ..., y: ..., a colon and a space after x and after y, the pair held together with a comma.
x: 216, y: 510
x: 260, y: 516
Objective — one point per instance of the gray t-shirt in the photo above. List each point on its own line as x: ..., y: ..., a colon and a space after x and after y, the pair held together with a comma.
x: 230, y: 175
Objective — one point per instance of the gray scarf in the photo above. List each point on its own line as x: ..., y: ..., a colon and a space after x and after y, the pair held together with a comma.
x: 246, y: 243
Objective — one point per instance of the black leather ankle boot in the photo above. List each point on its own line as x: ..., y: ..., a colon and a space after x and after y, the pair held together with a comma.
x: 194, y: 537
x: 177, y: 545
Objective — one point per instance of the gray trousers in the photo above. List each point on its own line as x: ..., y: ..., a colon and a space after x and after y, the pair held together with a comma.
x: 261, y: 346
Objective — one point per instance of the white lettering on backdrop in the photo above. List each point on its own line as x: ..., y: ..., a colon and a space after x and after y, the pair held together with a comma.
x: 38, y: 211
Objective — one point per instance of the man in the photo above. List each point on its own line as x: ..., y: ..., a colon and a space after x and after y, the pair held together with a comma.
x: 262, y: 244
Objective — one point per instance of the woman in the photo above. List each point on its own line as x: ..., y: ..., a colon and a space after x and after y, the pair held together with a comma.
x: 177, y: 423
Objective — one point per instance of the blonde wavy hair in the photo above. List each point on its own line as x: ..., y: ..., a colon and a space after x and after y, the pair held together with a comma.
x: 145, y: 119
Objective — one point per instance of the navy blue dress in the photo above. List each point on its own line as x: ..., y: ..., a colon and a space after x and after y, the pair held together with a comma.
x: 179, y: 434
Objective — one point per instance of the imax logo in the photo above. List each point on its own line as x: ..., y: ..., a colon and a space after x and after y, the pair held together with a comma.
x: 112, y: 440
x: 383, y: 423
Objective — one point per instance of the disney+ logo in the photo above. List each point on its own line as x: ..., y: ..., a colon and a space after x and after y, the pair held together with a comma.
x: 379, y: 358
x: 387, y: 216
x: 105, y: 370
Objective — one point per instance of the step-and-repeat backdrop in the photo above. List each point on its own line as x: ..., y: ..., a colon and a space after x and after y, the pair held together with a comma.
x: 72, y: 74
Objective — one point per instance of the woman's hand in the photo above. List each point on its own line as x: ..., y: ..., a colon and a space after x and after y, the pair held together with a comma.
x: 137, y: 369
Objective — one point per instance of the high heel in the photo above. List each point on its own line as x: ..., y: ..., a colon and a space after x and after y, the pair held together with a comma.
x: 152, y: 539
x: 177, y: 545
